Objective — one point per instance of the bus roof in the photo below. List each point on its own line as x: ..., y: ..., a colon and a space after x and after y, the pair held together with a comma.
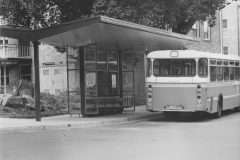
x: 190, y: 54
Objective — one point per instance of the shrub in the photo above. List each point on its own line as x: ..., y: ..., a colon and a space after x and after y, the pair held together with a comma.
x: 53, y: 104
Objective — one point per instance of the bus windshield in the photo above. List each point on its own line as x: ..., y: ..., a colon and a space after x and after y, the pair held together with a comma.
x: 174, y: 67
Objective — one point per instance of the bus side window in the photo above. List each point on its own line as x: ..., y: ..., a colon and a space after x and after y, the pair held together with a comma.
x: 219, y: 73
x: 231, y: 73
x: 237, y: 73
x: 226, y: 73
x: 203, y: 67
x: 213, y: 73
x: 156, y: 67
x: 149, y: 68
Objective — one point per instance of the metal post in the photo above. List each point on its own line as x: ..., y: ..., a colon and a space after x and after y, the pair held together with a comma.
x: 82, y: 80
x: 37, y: 80
x: 133, y: 53
x: 120, y: 76
x: 66, y: 47
x: 5, y: 77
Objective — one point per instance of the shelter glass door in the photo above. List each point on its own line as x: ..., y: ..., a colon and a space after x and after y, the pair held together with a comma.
x: 128, y: 78
x: 90, y: 73
x: 73, y: 80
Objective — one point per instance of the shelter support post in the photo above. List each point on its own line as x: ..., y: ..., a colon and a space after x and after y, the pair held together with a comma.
x: 120, y: 77
x: 37, y: 80
x: 5, y: 77
x: 82, y: 81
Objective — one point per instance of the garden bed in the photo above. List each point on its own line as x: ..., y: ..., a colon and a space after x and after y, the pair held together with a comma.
x: 50, y: 105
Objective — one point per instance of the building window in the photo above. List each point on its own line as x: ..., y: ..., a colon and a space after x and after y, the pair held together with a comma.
x: 46, y: 72
x: 224, y: 23
x: 194, y: 30
x: 206, y: 30
x: 26, y: 72
x: 56, y: 71
x: 2, y: 75
x: 225, y: 50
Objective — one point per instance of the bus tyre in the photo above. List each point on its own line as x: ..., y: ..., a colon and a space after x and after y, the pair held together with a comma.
x: 219, y: 108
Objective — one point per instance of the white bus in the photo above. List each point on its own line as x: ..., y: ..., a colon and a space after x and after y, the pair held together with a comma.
x: 192, y: 81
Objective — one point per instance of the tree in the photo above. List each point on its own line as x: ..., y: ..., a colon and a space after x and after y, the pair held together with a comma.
x: 179, y: 15
x: 41, y: 13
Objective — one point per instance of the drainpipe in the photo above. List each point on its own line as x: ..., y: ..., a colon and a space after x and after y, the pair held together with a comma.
x: 220, y: 31
x: 238, y: 29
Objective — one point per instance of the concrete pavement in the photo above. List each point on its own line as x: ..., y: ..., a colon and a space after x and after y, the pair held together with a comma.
x: 68, y: 121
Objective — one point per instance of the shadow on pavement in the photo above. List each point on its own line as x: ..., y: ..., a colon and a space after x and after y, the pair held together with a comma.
x: 193, y: 117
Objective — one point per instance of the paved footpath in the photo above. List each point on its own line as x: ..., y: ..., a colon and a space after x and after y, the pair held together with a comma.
x: 68, y: 121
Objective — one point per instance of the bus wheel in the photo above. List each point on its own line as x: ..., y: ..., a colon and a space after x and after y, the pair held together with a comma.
x: 219, y: 108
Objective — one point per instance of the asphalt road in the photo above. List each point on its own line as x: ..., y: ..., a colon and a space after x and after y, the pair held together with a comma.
x: 186, y: 138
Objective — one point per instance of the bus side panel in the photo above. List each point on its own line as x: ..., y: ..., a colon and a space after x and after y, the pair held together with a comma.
x: 175, y: 96
x: 229, y: 93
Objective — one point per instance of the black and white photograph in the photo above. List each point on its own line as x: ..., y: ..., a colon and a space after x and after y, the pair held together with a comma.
x: 119, y: 80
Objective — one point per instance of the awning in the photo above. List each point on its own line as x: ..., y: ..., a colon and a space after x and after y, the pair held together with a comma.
x: 109, y: 33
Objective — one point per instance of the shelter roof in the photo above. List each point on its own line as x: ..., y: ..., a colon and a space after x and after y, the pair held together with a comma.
x: 107, y: 33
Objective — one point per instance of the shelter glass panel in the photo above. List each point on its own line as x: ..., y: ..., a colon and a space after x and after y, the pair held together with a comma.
x: 74, y: 103
x: 90, y: 59
x: 127, y: 80
x: 102, y: 61
x: 108, y: 84
x: 73, y: 80
x: 73, y: 58
x: 127, y: 60
x: 112, y: 59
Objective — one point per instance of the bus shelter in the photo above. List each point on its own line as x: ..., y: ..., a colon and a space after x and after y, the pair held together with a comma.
x: 100, y: 59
